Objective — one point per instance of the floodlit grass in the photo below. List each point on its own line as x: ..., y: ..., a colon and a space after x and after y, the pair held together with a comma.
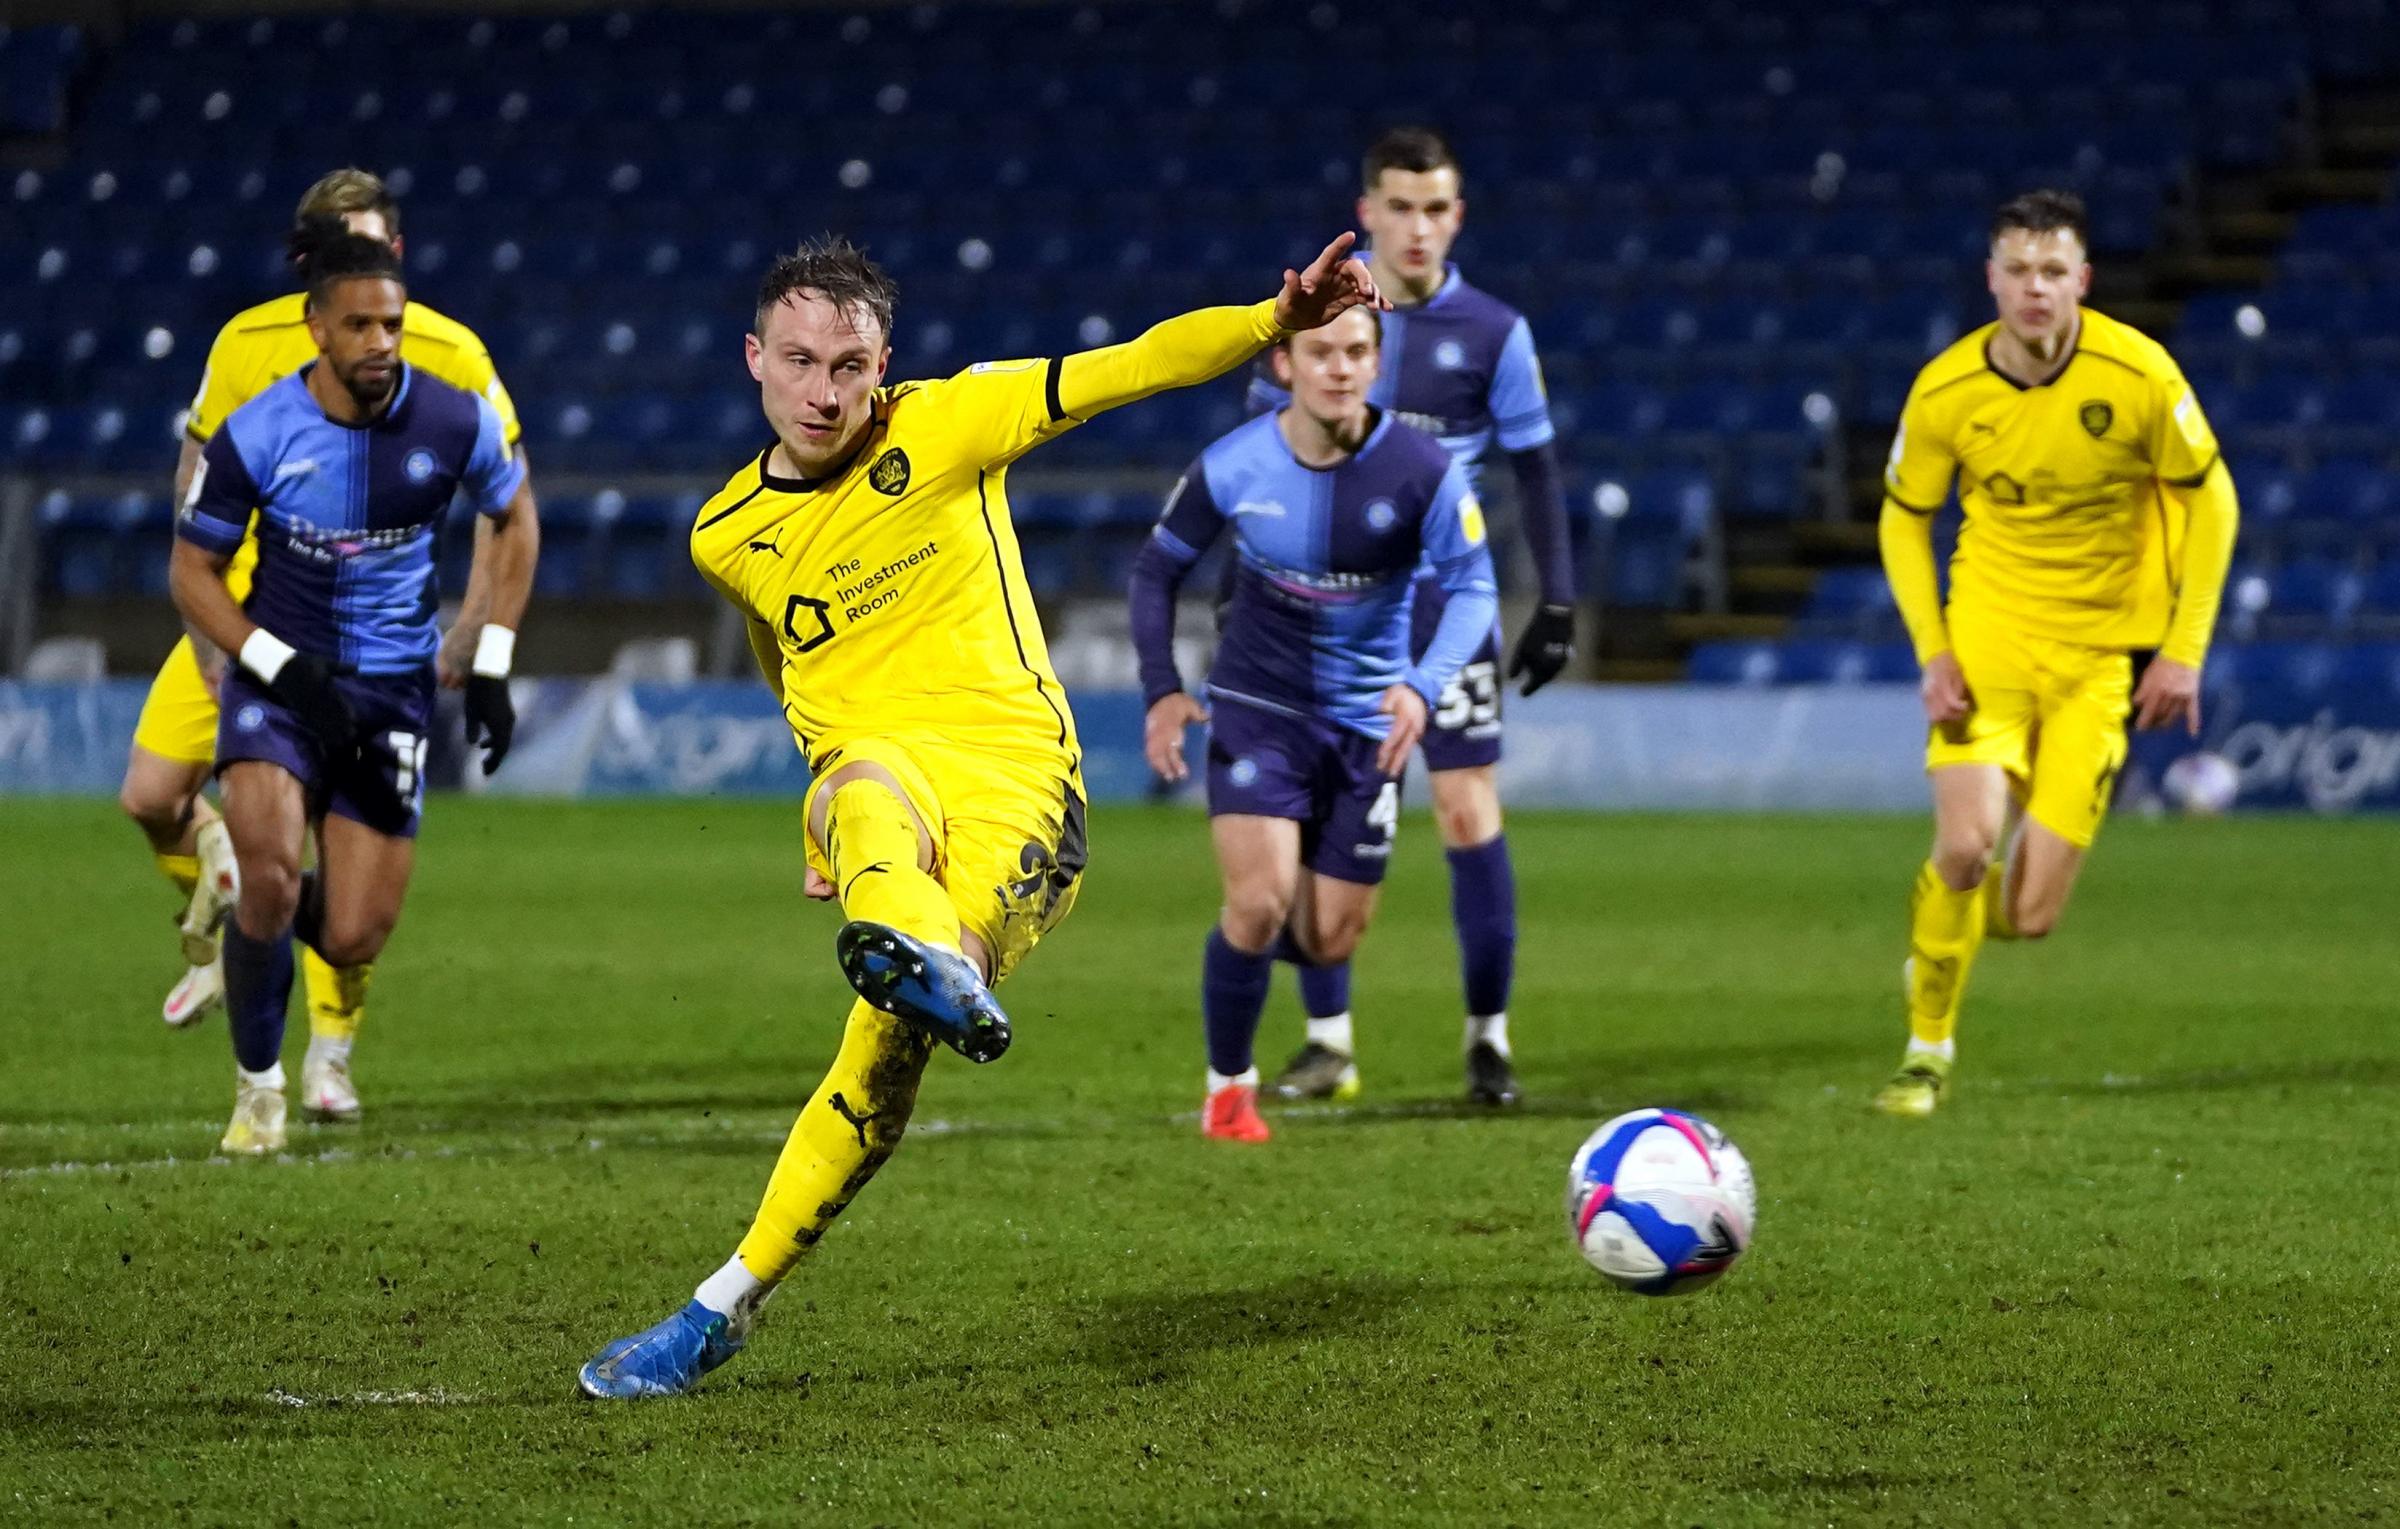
x: 2139, y: 1270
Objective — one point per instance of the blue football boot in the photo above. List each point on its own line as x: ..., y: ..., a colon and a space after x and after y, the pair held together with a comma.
x: 936, y: 990
x: 666, y: 1360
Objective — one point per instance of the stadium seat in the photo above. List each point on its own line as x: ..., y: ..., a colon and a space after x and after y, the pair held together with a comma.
x: 2378, y: 607
x: 1822, y: 661
x: 644, y: 555
x: 2309, y: 597
x: 1854, y: 598
x: 2300, y: 669
x: 1698, y: 246
x: 2368, y: 670
x: 2355, y: 491
x: 1735, y: 663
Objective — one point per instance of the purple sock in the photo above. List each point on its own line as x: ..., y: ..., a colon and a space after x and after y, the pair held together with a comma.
x: 1325, y: 990
x: 1483, y: 904
x: 1233, y: 992
x: 258, y: 989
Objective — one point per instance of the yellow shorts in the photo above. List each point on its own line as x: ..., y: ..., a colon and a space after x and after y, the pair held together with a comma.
x: 2050, y: 713
x: 1008, y: 836
x: 179, y: 715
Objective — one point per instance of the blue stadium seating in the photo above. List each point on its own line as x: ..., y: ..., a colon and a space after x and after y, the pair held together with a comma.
x: 1708, y: 217
x: 1736, y: 663
x: 37, y: 64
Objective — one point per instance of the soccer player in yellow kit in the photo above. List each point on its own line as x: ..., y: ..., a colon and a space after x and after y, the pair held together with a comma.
x: 870, y: 547
x: 2099, y: 521
x: 174, y: 743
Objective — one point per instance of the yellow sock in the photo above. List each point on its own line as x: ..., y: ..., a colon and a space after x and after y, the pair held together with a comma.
x: 1996, y: 923
x: 337, y: 996
x: 871, y: 841
x: 1945, y: 929
x: 850, y: 1125
x: 183, y: 870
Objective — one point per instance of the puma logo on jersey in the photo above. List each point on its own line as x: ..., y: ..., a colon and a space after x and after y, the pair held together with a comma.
x: 772, y: 544
x: 858, y: 1122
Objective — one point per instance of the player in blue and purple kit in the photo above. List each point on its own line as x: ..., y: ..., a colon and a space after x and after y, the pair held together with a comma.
x: 1337, y: 507
x: 1459, y: 364
x: 349, y: 464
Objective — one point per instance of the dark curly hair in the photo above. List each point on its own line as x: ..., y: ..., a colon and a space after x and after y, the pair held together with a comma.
x: 327, y: 252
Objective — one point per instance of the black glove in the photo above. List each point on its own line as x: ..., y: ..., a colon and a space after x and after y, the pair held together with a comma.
x: 491, y: 718
x: 305, y: 686
x: 1544, y: 647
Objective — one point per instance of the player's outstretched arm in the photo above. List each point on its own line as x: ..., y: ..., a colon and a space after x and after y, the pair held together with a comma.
x: 1199, y: 347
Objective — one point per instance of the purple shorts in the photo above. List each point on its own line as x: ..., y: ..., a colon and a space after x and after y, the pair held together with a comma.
x: 1464, y: 729
x: 394, y: 712
x: 1323, y: 777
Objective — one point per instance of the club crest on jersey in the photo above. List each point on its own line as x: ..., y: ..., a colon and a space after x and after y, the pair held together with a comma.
x: 2097, y: 417
x: 889, y: 475
x: 1449, y: 355
x: 1381, y: 513
x: 419, y: 466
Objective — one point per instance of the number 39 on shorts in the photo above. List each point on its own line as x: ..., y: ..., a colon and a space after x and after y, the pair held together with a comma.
x: 1470, y: 702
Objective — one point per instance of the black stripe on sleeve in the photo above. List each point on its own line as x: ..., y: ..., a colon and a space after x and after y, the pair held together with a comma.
x: 1913, y: 509
x: 1058, y: 410
x: 729, y: 509
x: 2198, y: 478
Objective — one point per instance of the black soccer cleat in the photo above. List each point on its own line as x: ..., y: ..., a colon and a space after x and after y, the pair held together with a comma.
x: 1318, y: 1072
x: 1490, y: 1080
x: 938, y: 991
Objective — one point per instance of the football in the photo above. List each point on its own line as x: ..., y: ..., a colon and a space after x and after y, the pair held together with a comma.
x: 1660, y: 1202
x: 2202, y: 785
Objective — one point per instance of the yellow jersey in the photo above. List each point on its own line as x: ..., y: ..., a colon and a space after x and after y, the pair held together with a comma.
x: 2068, y: 534
x: 892, y: 587
x: 262, y: 345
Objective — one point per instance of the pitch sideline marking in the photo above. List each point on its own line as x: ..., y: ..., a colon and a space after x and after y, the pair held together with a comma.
x: 437, y: 1397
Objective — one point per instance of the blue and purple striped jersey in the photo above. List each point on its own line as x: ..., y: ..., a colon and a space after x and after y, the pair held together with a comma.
x: 347, y: 513
x: 1459, y: 366
x: 1315, y: 621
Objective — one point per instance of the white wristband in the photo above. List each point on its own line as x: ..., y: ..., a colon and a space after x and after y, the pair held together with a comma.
x: 495, y: 650
x: 264, y: 654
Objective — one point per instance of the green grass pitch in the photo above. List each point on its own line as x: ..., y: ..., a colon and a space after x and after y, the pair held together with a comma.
x: 2138, y: 1272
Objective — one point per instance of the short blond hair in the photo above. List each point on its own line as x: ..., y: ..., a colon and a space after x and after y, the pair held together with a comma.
x: 349, y: 190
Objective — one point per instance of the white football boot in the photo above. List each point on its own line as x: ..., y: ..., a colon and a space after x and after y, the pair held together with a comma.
x: 200, y: 989
x: 258, y: 1111
x: 213, y: 896
x: 326, y: 1092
